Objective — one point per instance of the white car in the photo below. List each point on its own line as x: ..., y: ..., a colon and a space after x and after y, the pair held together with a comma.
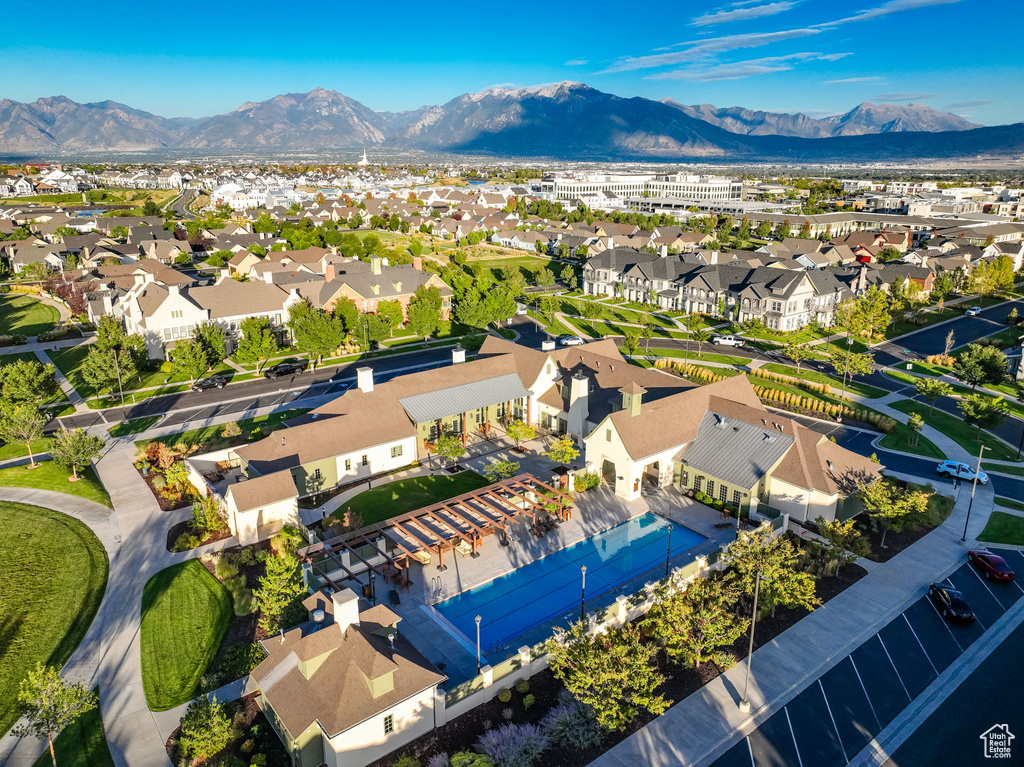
x: 727, y: 341
x: 570, y: 340
x: 957, y: 470
x: 974, y: 311
x: 521, y: 310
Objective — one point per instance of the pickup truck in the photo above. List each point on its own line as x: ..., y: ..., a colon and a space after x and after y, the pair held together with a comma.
x: 727, y: 341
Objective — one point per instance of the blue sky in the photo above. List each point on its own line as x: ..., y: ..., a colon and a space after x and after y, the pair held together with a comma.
x: 815, y: 56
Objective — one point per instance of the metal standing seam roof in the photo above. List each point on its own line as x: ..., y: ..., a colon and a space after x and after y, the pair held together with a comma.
x: 430, y: 406
x: 735, y: 451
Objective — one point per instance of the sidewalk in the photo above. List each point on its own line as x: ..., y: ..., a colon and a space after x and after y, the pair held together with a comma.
x: 705, y: 725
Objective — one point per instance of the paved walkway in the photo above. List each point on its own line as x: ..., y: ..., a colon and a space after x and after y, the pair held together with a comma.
x: 702, y: 727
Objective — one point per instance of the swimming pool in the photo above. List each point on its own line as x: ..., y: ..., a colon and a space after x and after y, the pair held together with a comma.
x: 524, y: 604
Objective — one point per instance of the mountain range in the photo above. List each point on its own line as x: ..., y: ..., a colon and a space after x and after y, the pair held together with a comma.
x: 569, y: 121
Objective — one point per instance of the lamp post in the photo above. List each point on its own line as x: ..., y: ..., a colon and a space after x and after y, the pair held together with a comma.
x: 373, y: 596
x: 745, y: 703
x: 117, y: 367
x: 974, y: 487
x: 583, y: 592
x: 477, y: 619
x: 668, y: 550
x: 849, y: 344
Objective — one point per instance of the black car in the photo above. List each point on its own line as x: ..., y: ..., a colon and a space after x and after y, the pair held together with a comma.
x: 212, y: 382
x: 284, y: 369
x: 950, y: 603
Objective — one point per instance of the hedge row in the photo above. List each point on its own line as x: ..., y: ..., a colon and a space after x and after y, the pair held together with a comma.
x: 693, y: 372
x: 940, y: 359
x: 778, y: 378
x: 883, y: 422
x: 15, y: 340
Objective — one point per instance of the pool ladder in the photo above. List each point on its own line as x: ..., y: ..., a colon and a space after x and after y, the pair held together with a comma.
x: 436, y: 587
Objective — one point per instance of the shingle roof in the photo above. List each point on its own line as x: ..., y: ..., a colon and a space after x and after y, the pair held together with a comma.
x: 735, y: 451
x: 262, y: 491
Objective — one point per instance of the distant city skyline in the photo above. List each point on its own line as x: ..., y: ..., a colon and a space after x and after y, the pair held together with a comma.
x: 819, y: 58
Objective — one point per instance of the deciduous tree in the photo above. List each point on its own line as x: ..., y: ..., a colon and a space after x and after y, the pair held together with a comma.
x: 983, y: 411
x: 931, y: 390
x: 205, y: 730
x: 257, y: 343
x: 892, y: 508
x: 979, y: 365
x: 450, y: 447
x: 48, y: 704
x: 26, y: 381
x: 23, y: 423
x: 75, y: 449
x: 563, y: 451
x: 278, y: 588
x: 782, y: 584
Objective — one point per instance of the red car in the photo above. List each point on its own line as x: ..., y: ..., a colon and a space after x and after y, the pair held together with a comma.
x: 991, y: 565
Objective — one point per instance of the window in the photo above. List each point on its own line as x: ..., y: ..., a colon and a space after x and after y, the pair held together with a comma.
x: 736, y: 498
x: 711, y: 488
x: 698, y: 483
x: 389, y: 724
x: 607, y: 435
x: 348, y: 464
x: 396, y: 451
x: 366, y: 460
x: 723, y: 493
x: 317, y: 475
x: 177, y: 314
x: 684, y: 478
x: 776, y: 306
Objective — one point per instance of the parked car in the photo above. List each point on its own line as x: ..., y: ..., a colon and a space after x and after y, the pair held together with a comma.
x: 521, y: 309
x: 211, y: 382
x: 570, y: 340
x: 992, y: 566
x: 957, y: 470
x: 950, y: 603
x: 974, y: 311
x: 284, y: 369
x: 727, y: 341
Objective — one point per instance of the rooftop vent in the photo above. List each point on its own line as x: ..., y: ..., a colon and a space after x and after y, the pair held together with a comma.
x: 318, y: 618
x: 831, y: 466
x: 391, y: 640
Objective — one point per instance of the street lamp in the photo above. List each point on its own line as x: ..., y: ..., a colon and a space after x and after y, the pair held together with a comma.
x: 745, y: 703
x: 668, y: 550
x: 849, y: 345
x: 477, y: 644
x: 117, y: 367
x: 583, y: 592
x: 974, y: 487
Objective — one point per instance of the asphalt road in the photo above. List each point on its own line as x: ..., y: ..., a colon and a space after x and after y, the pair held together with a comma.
x: 180, y: 205
x: 989, y: 696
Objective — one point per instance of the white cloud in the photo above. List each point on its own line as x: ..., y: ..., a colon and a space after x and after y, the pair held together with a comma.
x: 737, y: 70
x: 893, y: 6
x: 704, y: 49
x: 846, y: 80
x: 969, y: 104
x: 907, y: 96
x: 742, y: 12
x: 575, y: 63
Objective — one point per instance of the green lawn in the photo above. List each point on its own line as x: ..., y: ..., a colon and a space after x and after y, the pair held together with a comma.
x: 968, y: 437
x: 1004, y: 468
x: 404, y: 495
x: 802, y: 336
x: 1003, y: 528
x: 571, y: 307
x: 81, y: 744
x: 528, y: 265
x: 185, y: 612
x: 10, y: 450
x: 1010, y: 503
x: 52, y: 574
x: 25, y: 315
x: 692, y: 356
x: 854, y: 387
x: 49, y: 476
x: 134, y: 426
x: 212, y: 437
x: 902, y: 438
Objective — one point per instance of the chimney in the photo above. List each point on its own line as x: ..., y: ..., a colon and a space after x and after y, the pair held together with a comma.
x: 579, y: 405
x: 174, y: 290
x: 346, y: 609
x: 375, y: 265
x: 364, y: 380
x: 609, y: 242
x: 268, y: 277
x: 713, y: 256
x: 632, y: 398
x: 417, y: 263
x: 663, y: 251
x: 330, y: 271
x: 458, y: 354
x: 547, y: 345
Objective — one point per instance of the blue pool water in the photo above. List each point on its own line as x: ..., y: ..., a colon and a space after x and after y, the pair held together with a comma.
x: 524, y: 604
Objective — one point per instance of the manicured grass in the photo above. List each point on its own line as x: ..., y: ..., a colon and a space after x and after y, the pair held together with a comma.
x: 1004, y: 468
x: 692, y: 356
x: 1010, y: 503
x: 1004, y: 528
x: 601, y: 328
x: 49, y: 476
x: 795, y: 337
x: 528, y: 265
x: 939, y: 506
x: 185, y: 612
x: 134, y: 426
x: 81, y: 744
x: 25, y: 315
x: 968, y: 437
x: 404, y: 495
x: 10, y: 450
x: 52, y: 574
x: 212, y: 437
x: 615, y: 314
x: 854, y: 387
x: 902, y: 438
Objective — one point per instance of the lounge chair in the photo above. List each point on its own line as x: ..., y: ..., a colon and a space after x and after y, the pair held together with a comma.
x: 463, y: 548
x: 423, y: 557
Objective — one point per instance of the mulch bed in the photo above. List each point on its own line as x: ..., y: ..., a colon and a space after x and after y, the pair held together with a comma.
x: 461, y: 733
x: 166, y: 504
x: 895, y: 542
x: 264, y: 737
x: 185, y: 526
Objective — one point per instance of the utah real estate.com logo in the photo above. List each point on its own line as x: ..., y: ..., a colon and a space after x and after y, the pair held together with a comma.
x: 997, y: 741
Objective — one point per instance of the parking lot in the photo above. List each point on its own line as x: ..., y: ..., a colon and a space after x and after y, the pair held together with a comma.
x: 828, y: 723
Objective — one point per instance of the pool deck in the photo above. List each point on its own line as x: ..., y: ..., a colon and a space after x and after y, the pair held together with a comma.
x: 595, y: 511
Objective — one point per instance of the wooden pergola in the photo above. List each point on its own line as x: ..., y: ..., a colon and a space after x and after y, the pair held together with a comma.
x: 457, y: 524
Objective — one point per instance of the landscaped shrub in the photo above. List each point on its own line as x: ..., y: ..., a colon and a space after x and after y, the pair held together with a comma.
x: 514, y: 745
x: 693, y: 372
x: 439, y: 760
x: 185, y: 542
x: 240, y: 659
x: 584, y: 482
x: 231, y: 429
x: 13, y: 340
x: 407, y: 761
x: 522, y: 686
x: 940, y: 359
x: 258, y: 760
x: 571, y: 723
x: 57, y: 334
x: 528, y: 700
x: 470, y: 759
x: 205, y: 729
x: 505, y: 695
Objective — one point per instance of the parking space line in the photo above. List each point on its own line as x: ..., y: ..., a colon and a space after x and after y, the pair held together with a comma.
x: 946, y: 624
x: 750, y: 750
x: 887, y: 655
x: 831, y: 716
x: 793, y: 736
x: 987, y: 587
x: 865, y: 689
x: 919, y: 644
